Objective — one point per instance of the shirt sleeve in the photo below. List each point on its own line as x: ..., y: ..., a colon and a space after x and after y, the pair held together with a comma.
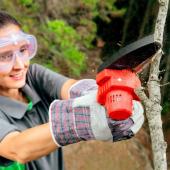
x: 5, y: 129
x: 45, y: 80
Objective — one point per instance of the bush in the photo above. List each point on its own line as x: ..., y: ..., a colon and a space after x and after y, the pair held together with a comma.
x: 67, y: 39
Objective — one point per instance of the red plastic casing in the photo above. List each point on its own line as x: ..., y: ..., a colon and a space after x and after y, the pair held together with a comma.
x: 116, y: 92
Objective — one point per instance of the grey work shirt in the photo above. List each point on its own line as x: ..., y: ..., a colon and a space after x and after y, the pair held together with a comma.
x: 42, y: 87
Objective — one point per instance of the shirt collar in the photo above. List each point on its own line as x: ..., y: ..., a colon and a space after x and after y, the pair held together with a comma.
x: 16, y: 108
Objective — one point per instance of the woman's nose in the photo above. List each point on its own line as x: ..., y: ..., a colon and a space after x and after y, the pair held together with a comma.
x: 18, y: 63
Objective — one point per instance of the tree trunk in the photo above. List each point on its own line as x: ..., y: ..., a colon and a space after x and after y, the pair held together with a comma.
x: 152, y: 102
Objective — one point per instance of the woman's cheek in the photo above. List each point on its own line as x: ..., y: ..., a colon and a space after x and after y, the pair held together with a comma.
x: 27, y: 63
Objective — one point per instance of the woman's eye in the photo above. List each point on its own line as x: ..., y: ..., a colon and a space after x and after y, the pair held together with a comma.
x: 6, y: 57
x: 24, y: 49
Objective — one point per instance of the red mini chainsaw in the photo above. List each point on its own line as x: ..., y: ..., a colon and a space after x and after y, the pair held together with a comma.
x: 117, y: 77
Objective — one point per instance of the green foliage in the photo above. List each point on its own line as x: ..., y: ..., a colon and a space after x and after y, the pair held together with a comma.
x: 60, y: 41
x: 91, y: 3
x: 108, y: 8
x: 65, y: 34
x: 67, y: 39
x: 96, y: 9
x: 49, y: 65
x: 30, y: 6
x: 166, y: 108
x: 92, y: 6
x: 26, y: 2
x: 101, y: 8
x: 88, y: 34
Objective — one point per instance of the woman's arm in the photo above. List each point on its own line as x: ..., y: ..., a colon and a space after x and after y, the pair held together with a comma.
x: 28, y: 145
x: 65, y: 88
x: 47, y: 82
x: 34, y: 142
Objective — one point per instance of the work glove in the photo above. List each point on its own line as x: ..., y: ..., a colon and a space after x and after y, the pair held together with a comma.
x: 82, y: 87
x: 82, y: 118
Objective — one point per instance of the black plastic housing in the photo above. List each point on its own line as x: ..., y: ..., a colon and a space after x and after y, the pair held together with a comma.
x: 132, y: 55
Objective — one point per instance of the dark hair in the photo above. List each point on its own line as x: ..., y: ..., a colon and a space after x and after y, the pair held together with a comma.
x: 6, y: 19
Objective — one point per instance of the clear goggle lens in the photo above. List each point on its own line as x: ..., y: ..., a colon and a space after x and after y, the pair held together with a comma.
x: 20, y: 45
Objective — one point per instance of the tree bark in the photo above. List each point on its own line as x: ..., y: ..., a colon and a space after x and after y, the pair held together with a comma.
x: 153, y: 100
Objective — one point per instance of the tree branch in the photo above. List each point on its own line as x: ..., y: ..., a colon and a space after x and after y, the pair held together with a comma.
x: 152, y: 103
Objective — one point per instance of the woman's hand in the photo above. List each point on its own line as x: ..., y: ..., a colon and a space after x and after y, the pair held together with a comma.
x: 82, y: 118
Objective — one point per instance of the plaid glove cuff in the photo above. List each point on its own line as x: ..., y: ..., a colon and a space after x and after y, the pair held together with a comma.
x: 69, y: 125
x: 121, y: 129
x: 82, y: 87
x: 126, y: 129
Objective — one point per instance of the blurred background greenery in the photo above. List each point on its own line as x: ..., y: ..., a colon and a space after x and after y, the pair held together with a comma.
x: 75, y: 36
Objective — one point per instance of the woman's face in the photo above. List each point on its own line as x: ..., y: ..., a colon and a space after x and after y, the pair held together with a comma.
x: 15, y: 77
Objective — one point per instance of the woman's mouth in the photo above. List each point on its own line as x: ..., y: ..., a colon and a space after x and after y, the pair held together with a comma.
x: 18, y: 76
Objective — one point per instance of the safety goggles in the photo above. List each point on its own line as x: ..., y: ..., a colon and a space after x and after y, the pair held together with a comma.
x: 20, y: 45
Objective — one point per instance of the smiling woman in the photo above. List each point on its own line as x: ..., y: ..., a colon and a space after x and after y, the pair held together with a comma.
x: 19, y: 45
x: 16, y: 49
x: 14, y: 62
x: 36, y: 115
x: 25, y: 96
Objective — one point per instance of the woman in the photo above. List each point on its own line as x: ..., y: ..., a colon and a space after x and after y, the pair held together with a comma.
x: 28, y: 140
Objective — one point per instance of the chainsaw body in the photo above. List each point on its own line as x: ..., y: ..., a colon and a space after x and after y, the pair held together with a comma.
x: 116, y: 92
x: 117, y: 77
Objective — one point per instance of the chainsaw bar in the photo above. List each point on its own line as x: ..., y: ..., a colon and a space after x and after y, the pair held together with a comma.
x: 134, y: 56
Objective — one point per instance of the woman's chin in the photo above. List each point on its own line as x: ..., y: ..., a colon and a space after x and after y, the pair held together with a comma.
x: 17, y: 83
